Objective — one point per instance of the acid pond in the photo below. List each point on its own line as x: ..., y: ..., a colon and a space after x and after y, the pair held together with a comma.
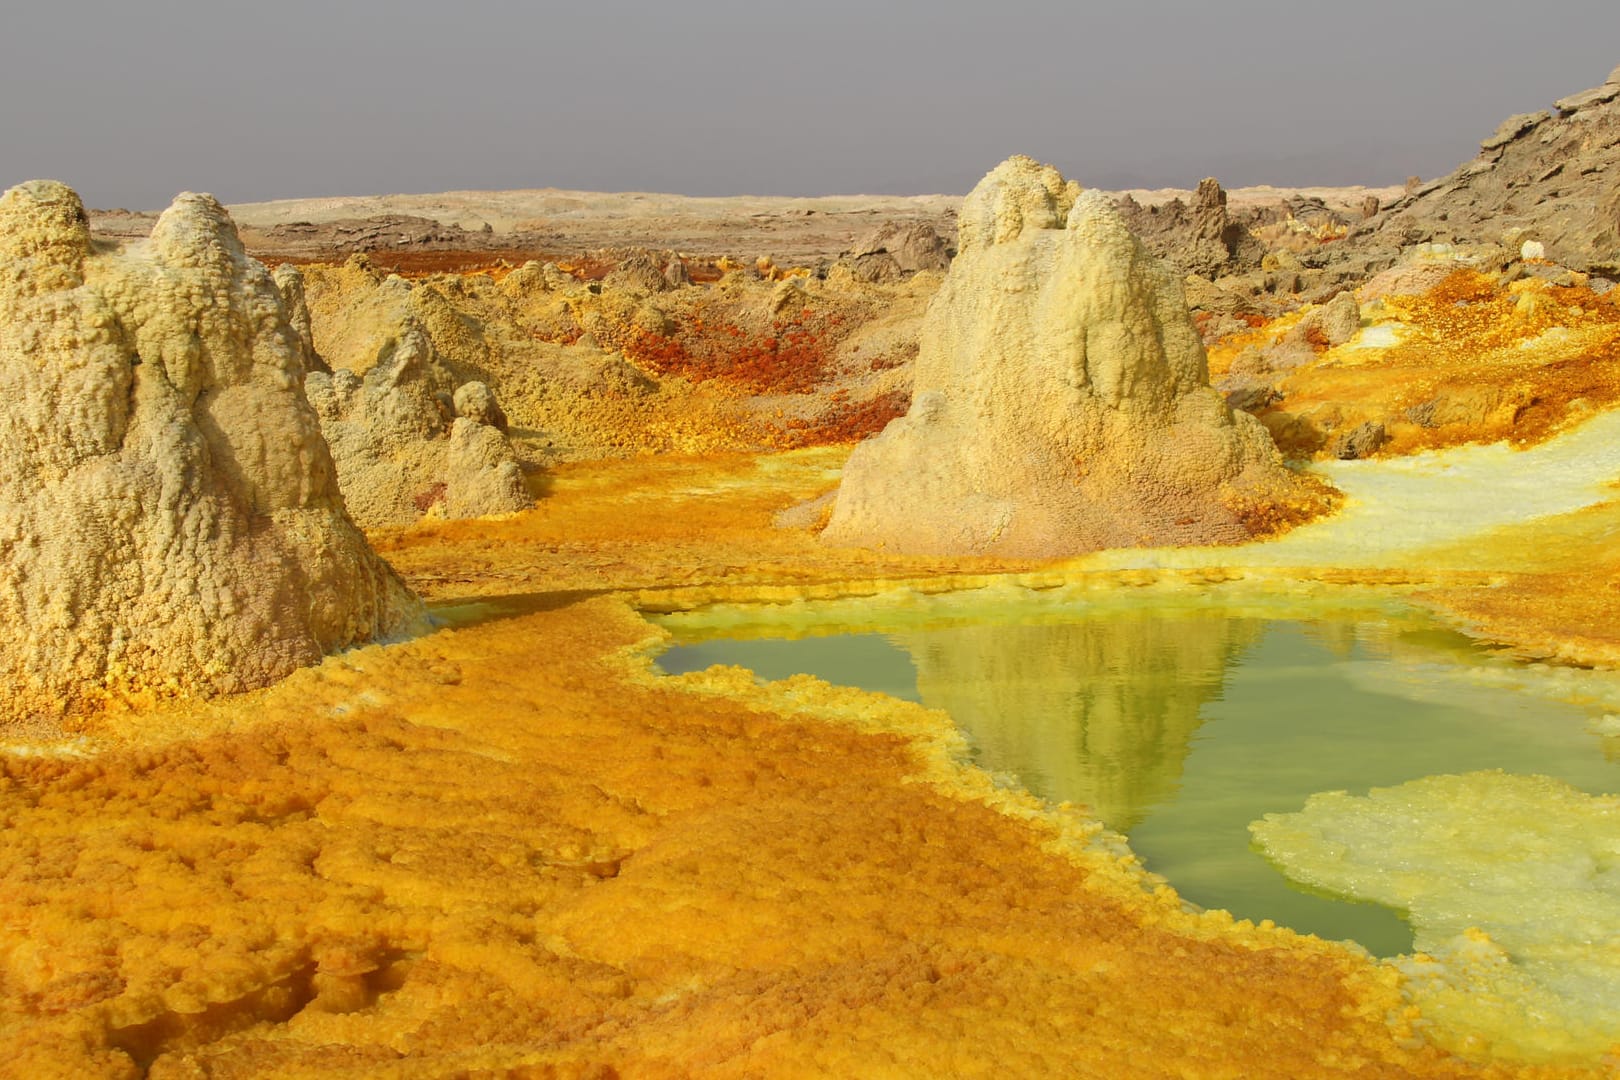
x: 1180, y: 719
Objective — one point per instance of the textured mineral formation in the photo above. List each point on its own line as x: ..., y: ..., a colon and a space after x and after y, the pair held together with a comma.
x: 390, y: 400
x: 169, y: 514
x: 1062, y: 400
x: 1507, y: 881
x: 408, y: 439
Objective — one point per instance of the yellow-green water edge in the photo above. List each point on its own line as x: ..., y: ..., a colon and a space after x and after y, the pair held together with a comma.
x: 1180, y: 718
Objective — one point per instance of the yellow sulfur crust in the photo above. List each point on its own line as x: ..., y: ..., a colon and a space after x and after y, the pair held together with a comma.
x: 509, y: 849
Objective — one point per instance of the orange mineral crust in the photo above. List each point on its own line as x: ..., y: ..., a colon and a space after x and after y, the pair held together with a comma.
x: 509, y: 850
x: 680, y: 531
x: 677, y: 532
x: 1469, y: 361
x: 1562, y: 602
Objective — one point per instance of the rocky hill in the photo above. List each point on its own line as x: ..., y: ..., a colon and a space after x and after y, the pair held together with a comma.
x: 1550, y: 179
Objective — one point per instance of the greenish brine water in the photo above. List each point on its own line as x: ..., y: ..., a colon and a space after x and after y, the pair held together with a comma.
x: 1181, y: 722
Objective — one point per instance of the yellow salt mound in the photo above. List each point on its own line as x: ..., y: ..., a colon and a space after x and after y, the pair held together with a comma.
x: 170, y: 518
x: 1061, y: 401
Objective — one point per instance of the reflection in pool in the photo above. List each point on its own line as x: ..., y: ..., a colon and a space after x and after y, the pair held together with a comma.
x: 1179, y: 724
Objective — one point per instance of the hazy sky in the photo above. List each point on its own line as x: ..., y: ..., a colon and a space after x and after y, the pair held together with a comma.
x: 130, y: 102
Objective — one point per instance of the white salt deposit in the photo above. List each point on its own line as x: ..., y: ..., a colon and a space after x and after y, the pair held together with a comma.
x: 1511, y: 884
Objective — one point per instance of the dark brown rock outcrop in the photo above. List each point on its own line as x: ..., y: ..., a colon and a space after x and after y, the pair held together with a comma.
x: 1551, y: 178
x: 898, y: 249
x: 1202, y: 237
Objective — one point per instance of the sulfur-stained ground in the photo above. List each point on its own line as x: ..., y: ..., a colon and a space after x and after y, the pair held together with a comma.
x: 510, y: 849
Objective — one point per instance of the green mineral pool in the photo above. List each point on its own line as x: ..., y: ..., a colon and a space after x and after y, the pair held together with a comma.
x: 1180, y: 720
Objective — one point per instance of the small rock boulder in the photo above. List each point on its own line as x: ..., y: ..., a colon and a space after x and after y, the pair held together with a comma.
x: 476, y: 402
x: 1331, y: 324
x: 1361, y: 441
x: 896, y: 250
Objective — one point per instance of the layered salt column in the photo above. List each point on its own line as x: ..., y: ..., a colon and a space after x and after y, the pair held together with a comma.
x: 170, y: 518
x: 1062, y: 400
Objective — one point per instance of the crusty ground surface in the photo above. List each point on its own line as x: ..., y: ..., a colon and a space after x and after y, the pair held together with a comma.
x: 509, y: 849
x: 1471, y: 360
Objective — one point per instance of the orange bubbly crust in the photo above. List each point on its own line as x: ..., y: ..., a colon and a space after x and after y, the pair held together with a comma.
x: 1475, y: 362
x: 1561, y: 602
x: 511, y: 850
x: 508, y: 851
